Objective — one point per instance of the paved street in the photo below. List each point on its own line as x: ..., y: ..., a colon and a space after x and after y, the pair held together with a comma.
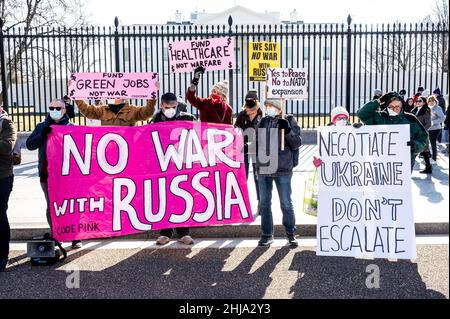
x: 226, y: 269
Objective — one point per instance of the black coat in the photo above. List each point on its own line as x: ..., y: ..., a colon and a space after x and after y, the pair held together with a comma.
x: 243, y: 122
x: 287, y: 158
x: 180, y: 116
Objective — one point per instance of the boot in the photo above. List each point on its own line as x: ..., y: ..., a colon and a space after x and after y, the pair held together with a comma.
x: 428, y: 169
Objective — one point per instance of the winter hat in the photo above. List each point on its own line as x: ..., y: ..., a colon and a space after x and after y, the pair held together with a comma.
x: 426, y: 93
x: 377, y: 92
x: 339, y: 111
x: 274, y: 102
x: 252, y: 95
x: 437, y: 91
x: 402, y: 92
x: 221, y: 88
x: 168, y: 98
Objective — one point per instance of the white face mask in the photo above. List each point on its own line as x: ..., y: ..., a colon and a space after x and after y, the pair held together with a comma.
x: 341, y: 122
x: 271, y: 112
x: 170, y: 113
x: 391, y: 112
x: 56, y: 115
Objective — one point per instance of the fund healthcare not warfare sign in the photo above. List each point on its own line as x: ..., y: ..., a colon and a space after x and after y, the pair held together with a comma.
x: 365, y: 203
x: 113, y: 181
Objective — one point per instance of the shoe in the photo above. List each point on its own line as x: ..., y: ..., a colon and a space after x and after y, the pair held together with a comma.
x: 265, y: 241
x: 292, y: 240
x: 187, y: 240
x: 427, y: 170
x: 162, y: 240
x: 77, y: 244
x: 3, y: 263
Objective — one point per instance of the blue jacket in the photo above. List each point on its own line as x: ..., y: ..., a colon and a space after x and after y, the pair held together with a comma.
x: 36, y: 140
x: 287, y: 158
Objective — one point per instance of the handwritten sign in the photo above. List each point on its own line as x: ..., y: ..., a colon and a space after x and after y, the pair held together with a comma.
x: 262, y: 55
x: 365, y: 202
x: 287, y: 83
x: 114, y: 181
x: 212, y: 54
x: 98, y: 86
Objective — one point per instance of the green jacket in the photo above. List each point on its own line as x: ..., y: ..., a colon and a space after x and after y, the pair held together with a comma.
x: 370, y: 115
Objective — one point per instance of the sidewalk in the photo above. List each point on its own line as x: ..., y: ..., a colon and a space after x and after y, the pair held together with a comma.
x: 430, y: 195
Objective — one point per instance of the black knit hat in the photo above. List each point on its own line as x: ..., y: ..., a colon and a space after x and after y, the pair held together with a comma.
x: 252, y: 95
x: 389, y: 97
x: 168, y: 97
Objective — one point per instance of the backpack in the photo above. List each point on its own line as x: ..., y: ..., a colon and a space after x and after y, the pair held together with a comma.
x: 296, y: 152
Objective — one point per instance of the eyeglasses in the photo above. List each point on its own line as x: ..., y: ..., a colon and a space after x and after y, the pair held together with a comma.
x: 419, y: 101
x: 55, y: 108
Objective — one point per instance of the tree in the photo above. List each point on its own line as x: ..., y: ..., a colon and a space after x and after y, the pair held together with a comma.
x: 38, y: 15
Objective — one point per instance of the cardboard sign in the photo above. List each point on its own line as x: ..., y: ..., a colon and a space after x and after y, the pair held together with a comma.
x: 212, y: 54
x: 287, y: 83
x: 114, y: 181
x: 262, y: 55
x: 102, y: 86
x: 365, y: 202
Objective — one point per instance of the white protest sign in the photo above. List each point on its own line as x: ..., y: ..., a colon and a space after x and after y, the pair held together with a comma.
x: 287, y: 83
x: 365, y: 202
x: 116, y: 85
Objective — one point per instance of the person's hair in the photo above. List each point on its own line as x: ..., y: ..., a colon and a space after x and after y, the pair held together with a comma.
x: 423, y: 99
x: 432, y: 98
x: 409, y: 99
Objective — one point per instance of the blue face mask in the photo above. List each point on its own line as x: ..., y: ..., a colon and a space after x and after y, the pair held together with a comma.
x: 271, y: 112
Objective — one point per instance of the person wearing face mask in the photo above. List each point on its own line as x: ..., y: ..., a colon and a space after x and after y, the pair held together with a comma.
x: 169, y: 111
x: 38, y: 140
x: 286, y: 160
x: 437, y: 117
x: 339, y: 116
x: 215, y: 108
x: 120, y: 113
x: 391, y: 114
x: 8, y: 137
x: 247, y: 120
x: 423, y: 114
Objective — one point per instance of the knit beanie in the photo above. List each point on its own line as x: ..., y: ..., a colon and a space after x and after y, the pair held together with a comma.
x: 222, y: 88
x: 338, y: 111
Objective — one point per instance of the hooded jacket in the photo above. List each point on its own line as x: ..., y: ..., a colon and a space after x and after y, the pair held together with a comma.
x: 8, y: 138
x: 369, y: 115
x: 37, y: 141
x: 127, y: 116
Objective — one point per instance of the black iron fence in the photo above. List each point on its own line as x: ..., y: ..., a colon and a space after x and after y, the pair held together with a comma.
x: 345, y: 62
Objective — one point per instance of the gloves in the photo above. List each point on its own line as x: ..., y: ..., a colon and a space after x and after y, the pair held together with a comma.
x: 357, y: 125
x: 197, y: 73
x: 412, y: 144
x: 45, y: 131
x: 284, y: 124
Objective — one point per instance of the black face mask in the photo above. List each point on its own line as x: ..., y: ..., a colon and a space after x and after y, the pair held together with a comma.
x: 250, y: 103
x: 116, y: 107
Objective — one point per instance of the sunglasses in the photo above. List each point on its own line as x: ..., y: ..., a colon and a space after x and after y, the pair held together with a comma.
x: 55, y: 108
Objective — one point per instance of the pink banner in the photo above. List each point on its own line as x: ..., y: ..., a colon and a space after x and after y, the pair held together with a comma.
x: 103, y: 86
x: 212, y: 54
x: 113, y: 181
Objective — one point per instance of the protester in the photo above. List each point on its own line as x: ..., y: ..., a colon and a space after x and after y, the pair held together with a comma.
x: 440, y: 98
x: 247, y: 120
x: 70, y: 110
x: 8, y: 138
x: 402, y: 93
x: 391, y: 114
x: 121, y: 113
x: 377, y: 93
x: 38, y: 140
x: 287, y: 153
x: 215, y: 108
x: 409, y: 105
x: 169, y: 111
x: 446, y: 129
x: 423, y: 114
x: 437, y: 117
x: 419, y: 92
x: 339, y: 116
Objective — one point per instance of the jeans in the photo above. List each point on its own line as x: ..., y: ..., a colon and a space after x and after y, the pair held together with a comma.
x: 255, y: 176
x: 434, y: 134
x: 44, y: 187
x: 446, y: 136
x: 284, y: 189
x: 6, y: 185
x: 182, y: 231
